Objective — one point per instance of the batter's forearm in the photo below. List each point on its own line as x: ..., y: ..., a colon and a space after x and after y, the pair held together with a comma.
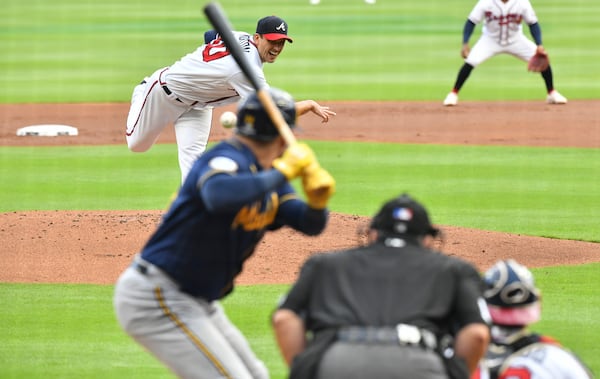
x: 222, y: 193
x: 313, y: 221
x: 303, y: 218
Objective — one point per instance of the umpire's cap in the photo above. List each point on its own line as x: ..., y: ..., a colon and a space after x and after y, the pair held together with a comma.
x: 403, y: 215
x: 254, y: 122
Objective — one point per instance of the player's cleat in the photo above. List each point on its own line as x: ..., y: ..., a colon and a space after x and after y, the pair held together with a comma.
x: 451, y: 99
x: 555, y: 98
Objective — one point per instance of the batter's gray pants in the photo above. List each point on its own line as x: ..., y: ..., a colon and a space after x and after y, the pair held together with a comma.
x: 192, y: 337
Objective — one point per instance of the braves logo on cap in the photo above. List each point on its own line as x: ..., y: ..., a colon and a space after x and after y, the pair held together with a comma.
x: 273, y: 28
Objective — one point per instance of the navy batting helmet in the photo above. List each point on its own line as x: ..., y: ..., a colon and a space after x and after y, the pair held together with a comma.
x: 253, y: 120
x: 511, y: 294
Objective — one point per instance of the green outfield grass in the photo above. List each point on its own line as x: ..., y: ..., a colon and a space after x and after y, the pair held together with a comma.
x: 70, y: 331
x: 536, y: 191
x: 78, y: 51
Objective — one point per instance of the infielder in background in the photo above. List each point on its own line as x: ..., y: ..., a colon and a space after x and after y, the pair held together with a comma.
x: 515, y: 352
x: 384, y: 310
x: 185, y: 93
x: 168, y: 299
x: 502, y: 34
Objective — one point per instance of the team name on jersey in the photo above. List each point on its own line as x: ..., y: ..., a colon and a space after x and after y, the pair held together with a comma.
x: 252, y: 217
x: 245, y: 42
x: 503, y: 19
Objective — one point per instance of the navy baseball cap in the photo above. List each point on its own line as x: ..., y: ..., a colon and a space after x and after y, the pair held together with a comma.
x: 273, y: 28
x: 403, y: 215
x: 209, y: 36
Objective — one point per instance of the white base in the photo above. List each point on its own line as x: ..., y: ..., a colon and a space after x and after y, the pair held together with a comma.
x: 47, y: 130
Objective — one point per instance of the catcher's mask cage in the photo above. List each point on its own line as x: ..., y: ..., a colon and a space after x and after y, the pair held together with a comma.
x: 253, y: 120
x: 513, y: 299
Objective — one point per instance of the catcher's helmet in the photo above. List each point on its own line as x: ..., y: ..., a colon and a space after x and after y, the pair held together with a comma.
x: 512, y: 297
x: 253, y: 120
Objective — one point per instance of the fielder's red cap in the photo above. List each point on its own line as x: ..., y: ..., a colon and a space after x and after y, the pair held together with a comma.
x: 273, y: 28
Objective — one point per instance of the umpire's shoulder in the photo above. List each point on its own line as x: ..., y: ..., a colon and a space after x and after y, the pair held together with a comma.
x: 332, y: 257
x: 459, y: 265
x: 468, y: 271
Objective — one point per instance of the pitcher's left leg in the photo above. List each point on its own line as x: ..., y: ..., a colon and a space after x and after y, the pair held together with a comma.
x: 192, y: 130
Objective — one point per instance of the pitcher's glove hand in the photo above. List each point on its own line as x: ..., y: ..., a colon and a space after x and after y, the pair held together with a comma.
x: 539, y: 62
x: 318, y: 186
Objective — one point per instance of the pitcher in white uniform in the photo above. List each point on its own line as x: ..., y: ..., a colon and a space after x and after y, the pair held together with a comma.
x: 502, y: 33
x: 185, y: 93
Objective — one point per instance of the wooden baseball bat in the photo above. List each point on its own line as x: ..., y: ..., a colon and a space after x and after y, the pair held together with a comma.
x: 219, y: 21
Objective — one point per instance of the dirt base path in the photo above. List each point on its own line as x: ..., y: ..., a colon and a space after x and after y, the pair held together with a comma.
x: 94, y: 247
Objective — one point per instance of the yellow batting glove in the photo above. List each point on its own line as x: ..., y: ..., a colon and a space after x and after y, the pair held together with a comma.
x: 293, y: 161
x: 318, y: 186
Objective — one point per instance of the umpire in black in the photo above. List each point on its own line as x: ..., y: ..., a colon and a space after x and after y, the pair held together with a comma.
x: 394, y: 308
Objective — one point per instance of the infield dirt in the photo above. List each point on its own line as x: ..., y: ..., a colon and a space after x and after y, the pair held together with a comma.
x: 94, y: 247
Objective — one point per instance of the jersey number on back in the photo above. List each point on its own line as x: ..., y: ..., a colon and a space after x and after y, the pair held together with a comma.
x: 216, y: 49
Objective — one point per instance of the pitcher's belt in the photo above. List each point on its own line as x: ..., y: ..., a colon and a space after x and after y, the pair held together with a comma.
x: 168, y: 92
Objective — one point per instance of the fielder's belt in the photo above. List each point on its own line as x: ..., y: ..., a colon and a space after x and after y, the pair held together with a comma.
x: 401, y: 334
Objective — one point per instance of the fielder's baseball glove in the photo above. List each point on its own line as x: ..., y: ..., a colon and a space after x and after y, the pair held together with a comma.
x: 538, y: 63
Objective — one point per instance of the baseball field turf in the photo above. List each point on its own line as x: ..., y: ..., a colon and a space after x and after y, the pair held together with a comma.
x: 89, y: 51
